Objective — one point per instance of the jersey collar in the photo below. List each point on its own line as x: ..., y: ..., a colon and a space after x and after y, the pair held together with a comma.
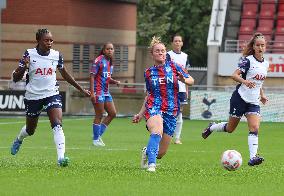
x: 42, y: 53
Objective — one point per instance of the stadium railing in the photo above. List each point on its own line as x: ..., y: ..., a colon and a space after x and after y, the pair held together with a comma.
x: 238, y: 45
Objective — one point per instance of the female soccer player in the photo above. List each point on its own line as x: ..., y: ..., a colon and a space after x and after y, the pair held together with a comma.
x: 42, y: 91
x: 161, y: 104
x: 251, y: 73
x: 181, y: 58
x: 100, y: 78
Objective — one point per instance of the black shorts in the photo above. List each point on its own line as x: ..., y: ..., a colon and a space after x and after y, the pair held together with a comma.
x: 238, y: 107
x: 34, y: 107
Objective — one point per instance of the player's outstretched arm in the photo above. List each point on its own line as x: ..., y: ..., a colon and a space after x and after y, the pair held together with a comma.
x: 113, y: 81
x: 188, y: 81
x: 72, y: 81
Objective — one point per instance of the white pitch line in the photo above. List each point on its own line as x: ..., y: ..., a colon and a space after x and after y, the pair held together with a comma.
x: 42, y: 121
x: 70, y: 148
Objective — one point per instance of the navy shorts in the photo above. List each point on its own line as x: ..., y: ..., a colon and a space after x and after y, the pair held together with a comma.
x: 182, y: 96
x: 238, y: 107
x: 34, y: 107
x: 169, y: 124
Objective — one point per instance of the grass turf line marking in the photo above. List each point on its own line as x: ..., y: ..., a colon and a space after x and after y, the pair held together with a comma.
x: 70, y: 148
x: 42, y: 121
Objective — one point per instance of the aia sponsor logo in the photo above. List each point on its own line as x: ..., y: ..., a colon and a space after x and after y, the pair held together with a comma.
x: 44, y: 71
x: 259, y: 77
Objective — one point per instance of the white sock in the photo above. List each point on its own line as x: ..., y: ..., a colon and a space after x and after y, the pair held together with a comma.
x: 179, y: 126
x: 253, y: 144
x: 218, y: 127
x: 23, y: 134
x: 59, y: 140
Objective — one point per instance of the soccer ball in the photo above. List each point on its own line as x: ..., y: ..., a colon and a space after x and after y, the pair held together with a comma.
x: 231, y: 160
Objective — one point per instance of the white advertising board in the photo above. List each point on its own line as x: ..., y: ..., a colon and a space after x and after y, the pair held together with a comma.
x: 228, y: 62
x: 215, y: 106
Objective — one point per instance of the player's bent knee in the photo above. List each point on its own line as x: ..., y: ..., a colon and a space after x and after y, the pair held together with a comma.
x: 30, y: 131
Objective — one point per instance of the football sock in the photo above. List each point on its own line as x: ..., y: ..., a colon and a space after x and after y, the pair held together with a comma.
x: 103, y: 129
x: 59, y: 140
x: 179, y: 126
x: 153, y: 148
x: 253, y: 143
x: 219, y: 127
x: 23, y: 133
x: 96, y: 131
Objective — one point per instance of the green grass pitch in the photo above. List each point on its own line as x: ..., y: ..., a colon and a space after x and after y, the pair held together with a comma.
x: 192, y: 168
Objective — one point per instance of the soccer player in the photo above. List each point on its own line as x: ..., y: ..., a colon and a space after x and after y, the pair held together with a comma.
x: 100, y: 78
x: 161, y: 104
x: 251, y: 73
x: 42, y: 91
x: 180, y: 58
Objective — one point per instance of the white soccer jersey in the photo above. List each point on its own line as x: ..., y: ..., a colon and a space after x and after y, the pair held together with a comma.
x: 181, y: 59
x: 41, y: 76
x: 252, y: 70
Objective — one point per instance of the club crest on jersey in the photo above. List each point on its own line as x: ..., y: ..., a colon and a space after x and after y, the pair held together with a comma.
x: 259, y: 77
x: 44, y: 71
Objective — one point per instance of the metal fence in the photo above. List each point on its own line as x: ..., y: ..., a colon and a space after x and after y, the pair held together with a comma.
x: 238, y: 45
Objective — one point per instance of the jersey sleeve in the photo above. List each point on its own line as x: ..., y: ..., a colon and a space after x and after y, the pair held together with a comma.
x: 25, y: 55
x: 60, y: 62
x: 146, y: 81
x: 180, y: 69
x: 95, y: 67
x: 168, y: 57
x: 244, y: 64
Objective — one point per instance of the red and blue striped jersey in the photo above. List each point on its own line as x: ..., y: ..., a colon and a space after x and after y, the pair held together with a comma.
x: 162, y: 88
x: 102, y: 70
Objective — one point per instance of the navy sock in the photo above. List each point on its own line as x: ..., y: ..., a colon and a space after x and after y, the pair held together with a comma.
x: 253, y: 133
x: 153, y: 148
x: 96, y: 131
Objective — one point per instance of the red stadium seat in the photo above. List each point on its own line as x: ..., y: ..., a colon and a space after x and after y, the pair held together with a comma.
x: 278, y: 47
x: 280, y: 23
x: 249, y: 10
x: 248, y: 22
x: 279, y: 38
x: 280, y: 14
x: 264, y: 29
x: 244, y: 37
x: 280, y: 11
x: 268, y: 23
x: 250, y: 1
x: 279, y: 31
x: 281, y: 7
x: 267, y: 11
x: 268, y: 1
x: 246, y: 30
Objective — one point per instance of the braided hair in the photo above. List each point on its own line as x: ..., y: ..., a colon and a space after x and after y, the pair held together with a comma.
x: 40, y: 33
